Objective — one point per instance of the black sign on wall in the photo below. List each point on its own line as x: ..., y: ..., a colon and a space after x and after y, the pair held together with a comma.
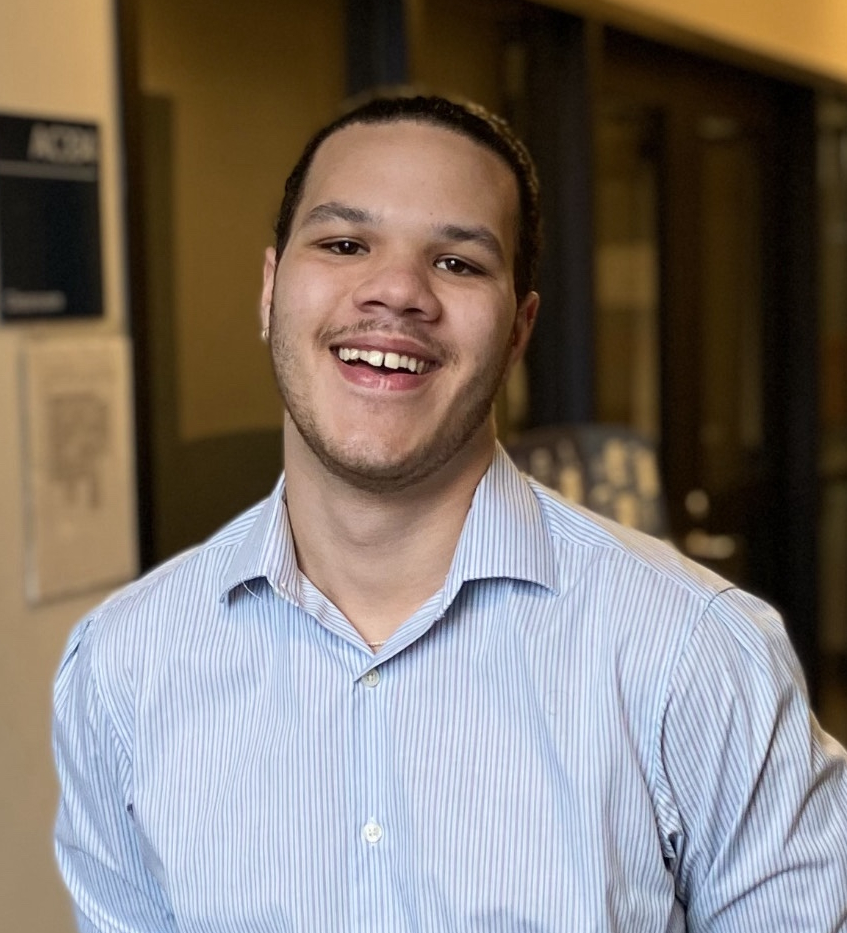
x: 49, y: 220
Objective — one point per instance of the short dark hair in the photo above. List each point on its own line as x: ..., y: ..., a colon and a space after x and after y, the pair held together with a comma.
x: 470, y: 120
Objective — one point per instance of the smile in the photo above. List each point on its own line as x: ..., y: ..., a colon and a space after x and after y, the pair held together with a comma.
x: 385, y: 361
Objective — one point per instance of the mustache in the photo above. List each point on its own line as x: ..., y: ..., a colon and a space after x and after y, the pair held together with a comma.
x: 430, y: 345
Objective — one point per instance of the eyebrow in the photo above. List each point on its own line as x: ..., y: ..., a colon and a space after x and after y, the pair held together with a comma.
x: 481, y: 235
x: 455, y: 233
x: 335, y: 210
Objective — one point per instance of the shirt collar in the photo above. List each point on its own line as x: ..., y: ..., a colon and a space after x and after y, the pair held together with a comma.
x: 267, y: 549
x: 504, y: 536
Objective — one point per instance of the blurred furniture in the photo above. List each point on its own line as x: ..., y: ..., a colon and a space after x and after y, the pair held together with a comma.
x: 611, y: 469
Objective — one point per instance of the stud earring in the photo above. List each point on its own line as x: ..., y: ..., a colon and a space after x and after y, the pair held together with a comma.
x: 266, y: 332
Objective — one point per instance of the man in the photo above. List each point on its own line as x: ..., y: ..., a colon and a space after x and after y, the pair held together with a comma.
x: 413, y: 691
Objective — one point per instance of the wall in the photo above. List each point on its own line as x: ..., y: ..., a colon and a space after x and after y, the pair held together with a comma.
x: 57, y: 58
x: 231, y: 94
x: 247, y: 84
x: 463, y: 60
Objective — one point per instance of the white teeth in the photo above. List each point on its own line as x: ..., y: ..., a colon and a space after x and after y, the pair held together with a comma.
x: 390, y: 360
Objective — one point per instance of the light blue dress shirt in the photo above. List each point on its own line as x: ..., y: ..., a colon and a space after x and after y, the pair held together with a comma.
x: 581, y: 731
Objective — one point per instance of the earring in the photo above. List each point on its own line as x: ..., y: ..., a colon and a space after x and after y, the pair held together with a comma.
x: 266, y: 332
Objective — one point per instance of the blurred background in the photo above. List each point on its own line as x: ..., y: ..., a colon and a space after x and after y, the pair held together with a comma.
x: 691, y: 352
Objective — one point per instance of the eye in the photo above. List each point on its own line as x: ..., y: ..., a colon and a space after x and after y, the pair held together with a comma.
x: 456, y: 266
x: 343, y: 247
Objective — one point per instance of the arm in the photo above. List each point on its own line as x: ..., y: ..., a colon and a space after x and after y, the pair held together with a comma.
x: 97, y: 846
x: 758, y: 791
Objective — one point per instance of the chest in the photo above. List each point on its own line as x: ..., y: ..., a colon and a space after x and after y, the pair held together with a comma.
x: 428, y: 792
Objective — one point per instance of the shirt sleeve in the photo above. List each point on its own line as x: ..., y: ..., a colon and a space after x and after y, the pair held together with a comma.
x: 97, y: 846
x: 758, y: 790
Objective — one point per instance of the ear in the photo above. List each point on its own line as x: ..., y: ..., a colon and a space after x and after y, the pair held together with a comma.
x: 522, y: 329
x: 268, y: 281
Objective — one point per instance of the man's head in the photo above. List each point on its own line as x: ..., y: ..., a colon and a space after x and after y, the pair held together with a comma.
x: 392, y: 297
x: 469, y: 120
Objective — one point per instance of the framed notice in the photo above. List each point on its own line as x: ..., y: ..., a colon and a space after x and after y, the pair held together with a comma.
x: 78, y: 474
x: 50, y: 262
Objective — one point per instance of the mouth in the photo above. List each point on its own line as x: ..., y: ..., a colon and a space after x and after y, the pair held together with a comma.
x: 384, y: 362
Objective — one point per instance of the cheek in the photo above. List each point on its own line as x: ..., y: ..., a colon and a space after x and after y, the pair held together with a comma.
x: 296, y: 288
x: 300, y: 309
x: 495, y: 331
x: 312, y: 280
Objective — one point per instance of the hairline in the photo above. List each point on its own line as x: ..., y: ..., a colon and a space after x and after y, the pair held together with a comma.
x: 422, y: 119
x: 465, y: 119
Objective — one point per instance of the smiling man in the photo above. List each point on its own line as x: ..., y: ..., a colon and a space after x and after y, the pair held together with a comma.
x: 393, y: 318
x: 412, y: 690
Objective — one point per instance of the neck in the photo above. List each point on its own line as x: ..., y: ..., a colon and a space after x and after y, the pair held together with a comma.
x: 378, y: 556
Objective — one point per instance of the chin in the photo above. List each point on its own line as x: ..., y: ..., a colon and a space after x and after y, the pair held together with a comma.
x: 380, y: 474
x: 392, y: 461
x: 383, y: 469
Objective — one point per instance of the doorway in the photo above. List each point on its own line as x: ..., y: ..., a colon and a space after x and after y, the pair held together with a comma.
x: 701, y: 339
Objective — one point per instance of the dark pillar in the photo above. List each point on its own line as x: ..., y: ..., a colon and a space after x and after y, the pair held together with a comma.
x: 375, y: 32
x: 791, y: 384
x: 557, y: 125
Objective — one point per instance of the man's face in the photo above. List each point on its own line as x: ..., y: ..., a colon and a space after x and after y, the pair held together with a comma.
x: 392, y: 311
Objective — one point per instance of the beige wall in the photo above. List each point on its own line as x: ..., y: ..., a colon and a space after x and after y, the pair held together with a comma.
x: 462, y: 60
x: 56, y: 59
x: 249, y: 83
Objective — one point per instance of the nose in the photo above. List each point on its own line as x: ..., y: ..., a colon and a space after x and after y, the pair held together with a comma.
x: 399, y: 284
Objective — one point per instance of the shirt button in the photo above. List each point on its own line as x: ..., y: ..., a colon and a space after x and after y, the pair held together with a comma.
x: 372, y: 832
x: 371, y: 679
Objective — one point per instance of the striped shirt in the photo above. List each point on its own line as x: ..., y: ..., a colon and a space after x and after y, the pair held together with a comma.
x: 582, y: 731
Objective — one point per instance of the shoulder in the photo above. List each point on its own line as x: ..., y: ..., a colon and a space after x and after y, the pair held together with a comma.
x: 638, y: 564
x: 166, y: 603
x: 196, y: 574
x: 640, y: 595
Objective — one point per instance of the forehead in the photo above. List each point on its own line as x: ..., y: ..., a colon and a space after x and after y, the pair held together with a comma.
x: 403, y: 163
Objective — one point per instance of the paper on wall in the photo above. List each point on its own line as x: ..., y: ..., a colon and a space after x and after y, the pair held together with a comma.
x: 78, y: 467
